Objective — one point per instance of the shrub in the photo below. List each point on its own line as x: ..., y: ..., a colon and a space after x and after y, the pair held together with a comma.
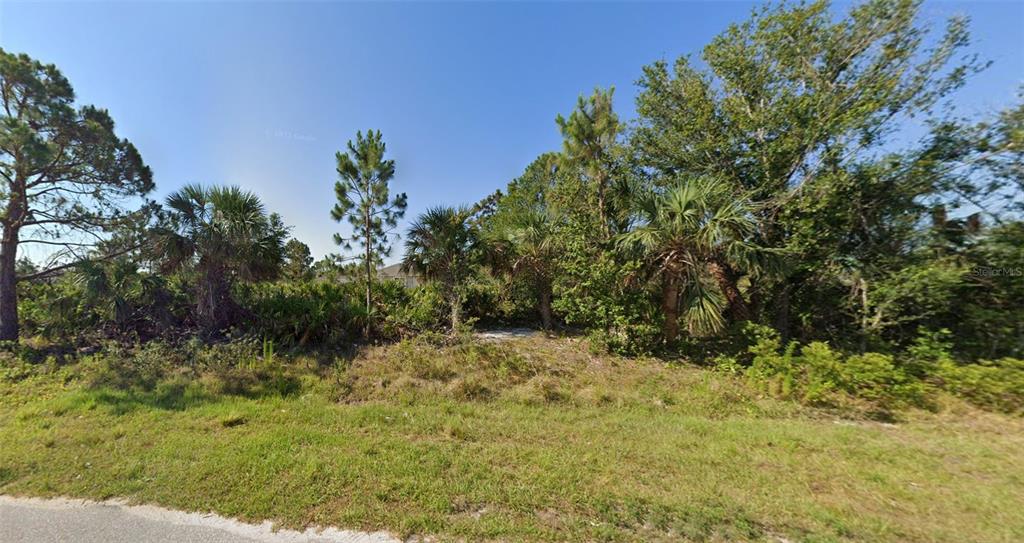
x: 408, y: 312
x: 605, y: 294
x: 242, y: 366
x: 627, y: 335
x: 823, y: 372
x: 727, y: 364
x: 875, y: 377
x: 501, y: 300
x: 997, y: 384
x: 125, y: 368
x: 930, y: 350
x: 101, y: 301
x: 816, y: 374
x: 302, y: 313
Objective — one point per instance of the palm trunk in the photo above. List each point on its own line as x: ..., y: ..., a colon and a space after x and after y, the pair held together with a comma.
x: 670, y: 307
x: 545, y: 306
x: 728, y: 281
x: 456, y: 307
x: 8, y: 285
x: 212, y: 301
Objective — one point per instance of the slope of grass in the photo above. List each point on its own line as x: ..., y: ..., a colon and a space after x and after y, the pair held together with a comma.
x: 535, y: 440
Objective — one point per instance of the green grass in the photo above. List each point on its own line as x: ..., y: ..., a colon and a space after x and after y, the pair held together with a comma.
x: 538, y: 440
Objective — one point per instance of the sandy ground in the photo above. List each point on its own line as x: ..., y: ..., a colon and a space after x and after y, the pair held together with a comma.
x: 501, y: 334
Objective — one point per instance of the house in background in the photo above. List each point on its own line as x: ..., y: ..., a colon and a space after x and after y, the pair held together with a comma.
x: 394, y: 272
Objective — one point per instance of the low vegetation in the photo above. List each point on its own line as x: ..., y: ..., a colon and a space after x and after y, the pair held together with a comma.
x: 527, y: 440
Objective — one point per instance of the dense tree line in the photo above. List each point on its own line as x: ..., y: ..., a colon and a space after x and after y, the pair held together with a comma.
x: 766, y: 188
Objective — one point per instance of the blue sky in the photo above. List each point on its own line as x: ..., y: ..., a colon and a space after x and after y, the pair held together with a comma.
x: 262, y: 94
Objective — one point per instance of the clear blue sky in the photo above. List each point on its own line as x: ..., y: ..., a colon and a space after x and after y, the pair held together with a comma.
x: 262, y: 94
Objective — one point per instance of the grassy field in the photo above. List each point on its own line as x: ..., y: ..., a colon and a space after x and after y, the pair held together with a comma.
x: 534, y: 440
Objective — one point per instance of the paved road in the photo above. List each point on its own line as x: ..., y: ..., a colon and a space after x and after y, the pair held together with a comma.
x: 77, y: 521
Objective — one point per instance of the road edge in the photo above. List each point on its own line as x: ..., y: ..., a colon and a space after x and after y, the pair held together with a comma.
x: 263, y: 532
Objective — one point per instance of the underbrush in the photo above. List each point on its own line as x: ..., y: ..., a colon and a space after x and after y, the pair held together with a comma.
x: 877, y: 384
x: 533, y: 439
x: 536, y: 371
x: 424, y: 369
x: 541, y: 372
x: 244, y: 366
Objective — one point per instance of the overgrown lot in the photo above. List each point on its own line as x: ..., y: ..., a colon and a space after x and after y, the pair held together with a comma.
x: 530, y: 440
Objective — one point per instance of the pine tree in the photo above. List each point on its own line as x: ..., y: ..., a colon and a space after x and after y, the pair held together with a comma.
x: 590, y: 139
x: 364, y: 201
x: 67, y: 181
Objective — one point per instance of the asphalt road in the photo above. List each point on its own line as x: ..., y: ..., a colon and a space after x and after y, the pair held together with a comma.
x: 77, y: 521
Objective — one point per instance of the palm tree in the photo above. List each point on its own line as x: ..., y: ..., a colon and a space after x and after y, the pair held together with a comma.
x: 693, y: 235
x: 522, y: 244
x: 221, y: 234
x: 441, y: 246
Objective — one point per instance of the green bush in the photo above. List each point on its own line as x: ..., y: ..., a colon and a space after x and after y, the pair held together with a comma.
x: 727, y: 364
x: 303, y: 313
x: 242, y: 366
x: 96, y: 301
x: 929, y: 351
x: 52, y: 309
x: 605, y: 293
x: 407, y: 312
x: 875, y: 377
x: 503, y: 301
x: 818, y: 374
x: 626, y: 335
x: 996, y: 384
x: 143, y: 367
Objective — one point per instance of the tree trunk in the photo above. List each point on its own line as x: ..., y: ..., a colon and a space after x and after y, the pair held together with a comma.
x: 865, y: 320
x: 782, y: 312
x: 456, y: 306
x: 602, y: 206
x: 545, y: 306
x: 369, y: 268
x: 728, y: 281
x: 8, y: 285
x: 213, y: 298
x: 670, y: 307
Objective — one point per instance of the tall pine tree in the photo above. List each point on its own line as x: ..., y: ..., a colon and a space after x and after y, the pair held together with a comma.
x: 67, y: 181
x: 364, y: 200
x: 590, y: 137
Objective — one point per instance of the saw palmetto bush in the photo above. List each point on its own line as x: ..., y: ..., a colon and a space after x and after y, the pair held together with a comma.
x: 304, y: 313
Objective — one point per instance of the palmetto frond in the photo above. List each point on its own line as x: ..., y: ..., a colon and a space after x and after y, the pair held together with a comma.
x: 684, y: 228
x: 702, y: 307
x: 523, y: 242
x: 438, y: 244
x: 222, y: 233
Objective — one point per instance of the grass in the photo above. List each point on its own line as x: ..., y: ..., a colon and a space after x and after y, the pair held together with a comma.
x: 535, y: 440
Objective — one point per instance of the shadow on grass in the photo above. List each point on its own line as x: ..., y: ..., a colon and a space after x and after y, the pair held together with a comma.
x: 180, y: 395
x: 165, y: 397
x: 6, y: 475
